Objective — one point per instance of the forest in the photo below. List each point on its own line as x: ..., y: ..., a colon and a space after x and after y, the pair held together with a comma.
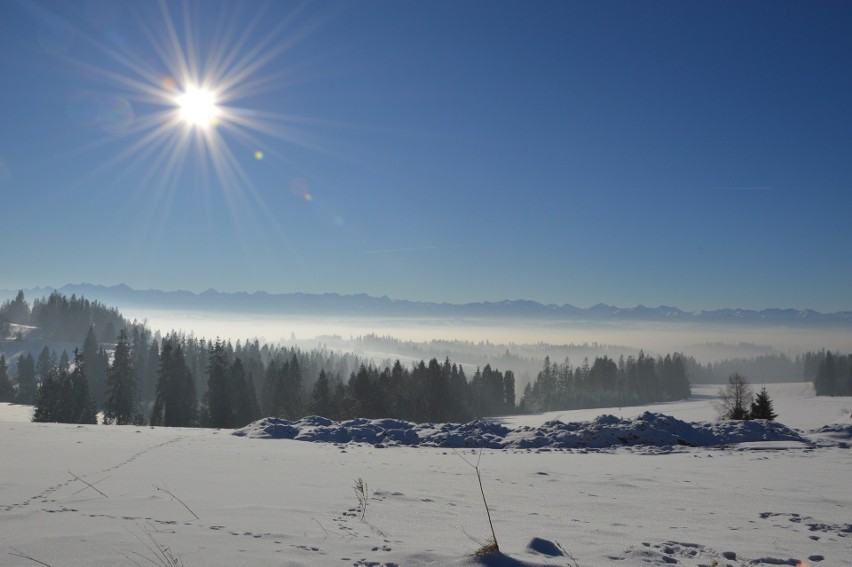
x: 135, y: 376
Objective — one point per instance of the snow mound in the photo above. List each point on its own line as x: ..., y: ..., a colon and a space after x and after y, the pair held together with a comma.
x: 605, y: 431
x: 834, y: 435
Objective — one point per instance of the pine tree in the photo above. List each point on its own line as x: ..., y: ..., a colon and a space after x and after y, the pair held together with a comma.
x: 120, y: 407
x: 761, y: 407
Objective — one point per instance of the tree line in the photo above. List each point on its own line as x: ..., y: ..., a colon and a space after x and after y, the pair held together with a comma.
x: 831, y: 372
x: 61, y: 318
x: 634, y: 380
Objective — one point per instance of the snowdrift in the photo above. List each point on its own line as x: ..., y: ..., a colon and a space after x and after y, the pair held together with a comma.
x: 606, y: 431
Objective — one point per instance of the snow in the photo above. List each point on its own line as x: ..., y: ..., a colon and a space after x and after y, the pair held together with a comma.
x: 605, y: 431
x: 285, y: 502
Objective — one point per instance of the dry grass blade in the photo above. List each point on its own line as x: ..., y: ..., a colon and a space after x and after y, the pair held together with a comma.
x: 28, y: 557
x: 361, y: 493
x: 178, y: 499
x: 491, y: 546
x: 158, y: 555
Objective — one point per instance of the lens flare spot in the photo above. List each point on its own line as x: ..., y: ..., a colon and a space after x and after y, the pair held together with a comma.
x: 258, y: 155
x: 168, y: 83
x: 339, y: 221
x: 308, y: 197
x: 115, y: 115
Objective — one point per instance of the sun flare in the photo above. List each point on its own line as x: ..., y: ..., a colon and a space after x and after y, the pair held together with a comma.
x: 197, y: 107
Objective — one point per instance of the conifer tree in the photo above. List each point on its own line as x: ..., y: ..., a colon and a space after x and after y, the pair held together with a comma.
x: 218, y: 400
x: 761, y: 407
x: 47, y: 399
x: 120, y: 407
x: 174, y: 401
x: 63, y: 396
x: 321, y: 396
x: 243, y: 398
x: 96, y: 367
x: 7, y: 393
x: 79, y: 404
x: 27, y: 384
x: 509, y: 388
x: 826, y: 377
x: 45, y: 363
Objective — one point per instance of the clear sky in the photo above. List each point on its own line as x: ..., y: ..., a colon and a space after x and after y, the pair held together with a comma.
x: 696, y: 154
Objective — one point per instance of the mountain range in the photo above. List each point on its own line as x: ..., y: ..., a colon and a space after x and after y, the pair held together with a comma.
x: 332, y: 304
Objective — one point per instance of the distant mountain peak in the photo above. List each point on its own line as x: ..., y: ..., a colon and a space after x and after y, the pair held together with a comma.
x: 361, y: 304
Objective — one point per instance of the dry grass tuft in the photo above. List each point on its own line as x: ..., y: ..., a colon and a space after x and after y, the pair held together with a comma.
x: 362, y: 494
x: 488, y: 548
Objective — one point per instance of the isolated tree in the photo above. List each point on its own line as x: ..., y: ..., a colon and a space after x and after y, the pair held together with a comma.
x: 761, y: 407
x: 120, y: 407
x: 7, y: 393
x: 735, y: 399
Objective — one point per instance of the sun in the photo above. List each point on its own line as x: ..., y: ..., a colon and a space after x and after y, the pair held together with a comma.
x: 197, y: 107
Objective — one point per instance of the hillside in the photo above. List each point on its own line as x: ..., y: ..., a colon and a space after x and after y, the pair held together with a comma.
x: 292, y: 503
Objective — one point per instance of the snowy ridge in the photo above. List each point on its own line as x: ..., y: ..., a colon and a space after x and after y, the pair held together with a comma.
x: 605, y: 431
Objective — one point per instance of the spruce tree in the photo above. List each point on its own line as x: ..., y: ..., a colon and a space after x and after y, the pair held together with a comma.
x: 120, y: 407
x: 96, y: 370
x: 826, y: 377
x: 47, y: 399
x: 45, y: 363
x: 79, y: 407
x: 243, y: 399
x: 761, y: 407
x: 27, y: 384
x: 218, y: 387
x: 174, y: 401
x: 321, y: 396
x: 7, y: 393
x: 63, y: 396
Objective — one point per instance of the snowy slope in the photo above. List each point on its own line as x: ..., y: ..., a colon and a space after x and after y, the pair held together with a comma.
x: 265, y: 502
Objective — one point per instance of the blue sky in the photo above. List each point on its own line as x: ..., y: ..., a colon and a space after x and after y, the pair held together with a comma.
x: 695, y: 154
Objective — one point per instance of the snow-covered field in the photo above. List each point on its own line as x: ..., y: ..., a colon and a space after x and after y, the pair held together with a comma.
x: 213, y: 498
